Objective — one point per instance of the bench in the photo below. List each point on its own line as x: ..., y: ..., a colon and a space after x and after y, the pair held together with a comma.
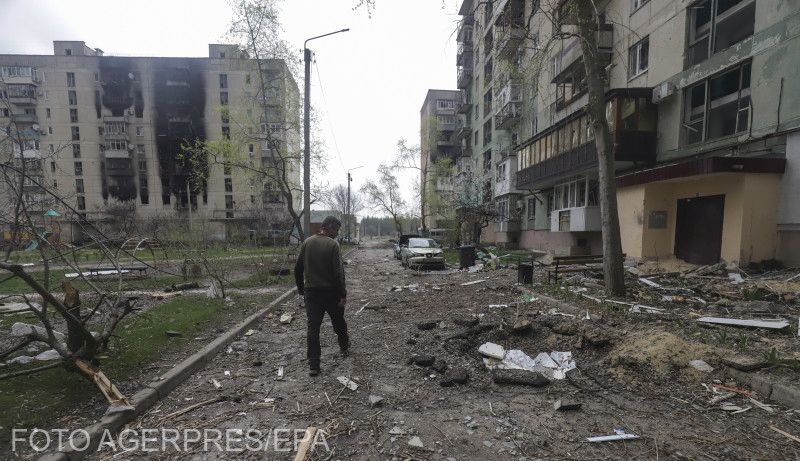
x: 141, y: 268
x: 570, y: 264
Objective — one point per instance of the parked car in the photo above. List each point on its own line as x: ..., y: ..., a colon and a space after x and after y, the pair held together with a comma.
x: 402, y: 241
x: 422, y: 252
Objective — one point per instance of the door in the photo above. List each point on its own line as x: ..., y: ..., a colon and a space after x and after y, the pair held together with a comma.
x: 698, y: 229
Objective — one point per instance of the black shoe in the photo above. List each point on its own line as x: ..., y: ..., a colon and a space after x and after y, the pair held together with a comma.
x: 345, y: 350
x: 313, y: 372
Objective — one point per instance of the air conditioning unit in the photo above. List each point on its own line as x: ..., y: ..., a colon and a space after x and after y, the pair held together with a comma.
x: 663, y: 91
x: 131, y: 147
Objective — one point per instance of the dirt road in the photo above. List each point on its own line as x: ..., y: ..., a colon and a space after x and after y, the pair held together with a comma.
x: 666, y: 406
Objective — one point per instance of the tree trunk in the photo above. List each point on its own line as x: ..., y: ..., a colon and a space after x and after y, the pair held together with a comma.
x: 613, y: 269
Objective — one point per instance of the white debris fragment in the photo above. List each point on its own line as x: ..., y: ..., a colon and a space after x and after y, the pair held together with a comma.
x: 48, y: 355
x: 735, y: 278
x: 286, y: 317
x: 777, y: 324
x: 649, y: 282
x: 701, y: 366
x: 350, y: 384
x: 492, y: 350
x: 24, y: 329
x: 474, y: 282
x: 415, y: 442
x: 619, y: 435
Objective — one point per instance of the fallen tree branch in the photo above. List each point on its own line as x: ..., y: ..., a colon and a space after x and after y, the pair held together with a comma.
x: 29, y: 371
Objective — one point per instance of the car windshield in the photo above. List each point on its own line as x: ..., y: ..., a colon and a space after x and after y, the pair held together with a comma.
x: 422, y: 243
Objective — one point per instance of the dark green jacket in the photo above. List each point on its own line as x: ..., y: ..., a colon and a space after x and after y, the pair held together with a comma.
x: 319, y: 266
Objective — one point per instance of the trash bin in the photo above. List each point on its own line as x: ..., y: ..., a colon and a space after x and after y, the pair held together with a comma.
x: 525, y: 273
x: 466, y: 256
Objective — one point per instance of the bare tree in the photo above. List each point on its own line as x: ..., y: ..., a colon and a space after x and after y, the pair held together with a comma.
x: 336, y: 199
x: 88, y: 328
x: 384, y: 195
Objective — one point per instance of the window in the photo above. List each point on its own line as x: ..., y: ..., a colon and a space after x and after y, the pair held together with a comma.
x: 72, y: 97
x: 49, y: 130
x: 76, y: 150
x: 140, y: 149
x: 487, y: 103
x: 116, y: 145
x: 487, y: 161
x: 222, y: 55
x: 223, y: 80
x: 73, y: 115
x: 571, y: 194
x: 226, y: 132
x: 5, y: 112
x: 96, y: 77
x: 446, y: 119
x: 71, y: 79
x: 79, y: 186
x: 81, y: 202
x: 228, y: 185
x: 638, y: 4
x: 445, y: 104
x: 719, y: 106
x: 501, y: 172
x: 47, y: 112
x: 46, y: 95
x: 139, y: 131
x: 487, y: 133
x: 715, y: 25
x: 115, y: 127
x: 226, y: 170
x: 76, y: 133
x: 229, y: 202
x: 52, y: 166
x: 100, y: 131
x: 531, y: 208
x: 78, y: 168
x: 247, y: 79
x: 223, y: 98
x: 637, y: 57
x: 68, y: 51
x: 52, y: 149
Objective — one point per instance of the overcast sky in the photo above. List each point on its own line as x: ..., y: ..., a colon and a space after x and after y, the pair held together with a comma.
x: 374, y: 78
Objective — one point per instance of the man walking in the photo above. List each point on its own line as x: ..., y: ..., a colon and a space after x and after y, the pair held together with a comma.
x: 323, y: 288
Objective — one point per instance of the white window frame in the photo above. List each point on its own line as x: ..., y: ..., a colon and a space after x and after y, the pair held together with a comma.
x: 635, y: 54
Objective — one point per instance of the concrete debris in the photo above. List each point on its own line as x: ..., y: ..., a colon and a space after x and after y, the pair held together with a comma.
x: 769, y: 324
x: 522, y: 327
x: 286, y: 317
x: 375, y: 400
x: 250, y: 332
x: 215, y: 383
x: 492, y: 350
x: 566, y: 405
x: 396, y: 430
x: 455, y: 376
x: 619, y: 434
x: 423, y: 360
x: 427, y: 325
x: 280, y: 373
x: 415, y: 442
x: 701, y: 366
x: 517, y: 376
x: 412, y: 287
x: 347, y: 382
x: 47, y: 356
x: 24, y: 329
x: 554, y: 365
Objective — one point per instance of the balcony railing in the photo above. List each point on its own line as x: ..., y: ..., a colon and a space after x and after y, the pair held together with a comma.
x: 464, y: 77
x: 114, y: 153
x: 25, y: 118
x: 465, y: 104
x: 463, y: 128
x: 508, y: 115
x: 508, y: 40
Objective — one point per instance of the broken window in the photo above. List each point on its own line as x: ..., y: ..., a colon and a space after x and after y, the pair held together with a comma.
x: 638, y: 56
x: 487, y: 132
x: 223, y: 98
x: 72, y: 96
x: 715, y: 25
x: 79, y: 186
x: 228, y: 185
x: 81, y: 202
x: 76, y: 133
x: 229, y: 202
x: 73, y: 115
x: 76, y: 150
x: 223, y: 80
x: 719, y: 106
x: 71, y: 79
x: 78, y: 169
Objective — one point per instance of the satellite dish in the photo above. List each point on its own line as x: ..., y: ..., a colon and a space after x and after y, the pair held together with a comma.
x: 35, y: 127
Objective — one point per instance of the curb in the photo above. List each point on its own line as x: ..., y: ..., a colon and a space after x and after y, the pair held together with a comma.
x: 156, y: 390
x: 777, y: 392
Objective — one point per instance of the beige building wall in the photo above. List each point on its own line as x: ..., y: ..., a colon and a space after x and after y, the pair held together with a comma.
x: 749, y: 229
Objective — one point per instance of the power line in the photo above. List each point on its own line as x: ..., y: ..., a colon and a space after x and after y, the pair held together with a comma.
x: 328, y: 117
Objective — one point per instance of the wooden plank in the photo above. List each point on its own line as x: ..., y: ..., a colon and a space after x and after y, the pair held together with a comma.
x: 304, y: 450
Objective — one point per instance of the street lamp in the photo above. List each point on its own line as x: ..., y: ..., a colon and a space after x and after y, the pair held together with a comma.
x: 306, y: 134
x: 347, y: 208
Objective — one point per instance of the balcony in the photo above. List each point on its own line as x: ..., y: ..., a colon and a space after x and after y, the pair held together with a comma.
x: 571, y: 55
x: 115, y: 153
x: 508, y: 115
x: 465, y: 104
x: 508, y: 40
x: 464, y: 30
x: 464, y: 77
x: 464, y: 55
x: 508, y: 183
x: 576, y: 219
x: 24, y: 75
x: 23, y: 95
x: 24, y: 118
x: 111, y: 119
x: 463, y: 128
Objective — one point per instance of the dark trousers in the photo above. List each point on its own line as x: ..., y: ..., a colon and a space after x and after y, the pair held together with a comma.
x: 318, y: 302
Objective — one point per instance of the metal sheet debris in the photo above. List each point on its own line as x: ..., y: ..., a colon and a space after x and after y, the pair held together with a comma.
x: 770, y: 324
x: 347, y: 382
x: 553, y: 365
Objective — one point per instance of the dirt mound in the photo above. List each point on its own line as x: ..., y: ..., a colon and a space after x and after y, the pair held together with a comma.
x: 659, y: 351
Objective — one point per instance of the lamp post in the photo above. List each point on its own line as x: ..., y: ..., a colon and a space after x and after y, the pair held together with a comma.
x: 347, y: 207
x: 306, y: 134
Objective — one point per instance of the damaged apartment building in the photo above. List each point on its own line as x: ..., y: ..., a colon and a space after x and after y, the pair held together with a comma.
x: 703, y: 112
x: 109, y: 134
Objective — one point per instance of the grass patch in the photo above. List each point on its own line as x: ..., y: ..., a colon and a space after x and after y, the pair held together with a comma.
x: 33, y: 401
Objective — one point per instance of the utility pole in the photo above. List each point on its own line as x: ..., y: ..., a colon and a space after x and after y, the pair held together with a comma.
x: 347, y: 207
x: 307, y: 132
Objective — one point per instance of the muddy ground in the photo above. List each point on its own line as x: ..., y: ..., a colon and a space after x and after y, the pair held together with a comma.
x: 632, y: 374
